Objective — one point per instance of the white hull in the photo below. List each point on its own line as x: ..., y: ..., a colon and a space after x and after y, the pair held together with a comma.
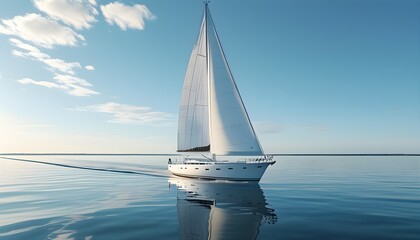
x: 250, y: 171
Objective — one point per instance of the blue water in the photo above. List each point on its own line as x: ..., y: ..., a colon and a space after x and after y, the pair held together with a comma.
x: 134, y: 197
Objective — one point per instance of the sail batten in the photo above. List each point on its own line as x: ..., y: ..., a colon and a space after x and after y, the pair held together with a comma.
x: 212, y: 112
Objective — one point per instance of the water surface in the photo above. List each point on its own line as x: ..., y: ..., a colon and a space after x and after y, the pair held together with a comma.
x: 134, y: 197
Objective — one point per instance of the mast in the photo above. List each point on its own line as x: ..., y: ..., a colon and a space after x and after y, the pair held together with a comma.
x: 206, y: 9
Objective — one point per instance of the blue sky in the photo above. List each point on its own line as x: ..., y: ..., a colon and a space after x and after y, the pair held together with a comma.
x: 106, y: 76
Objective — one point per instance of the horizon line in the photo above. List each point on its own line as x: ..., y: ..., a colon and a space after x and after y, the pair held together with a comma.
x: 177, y: 154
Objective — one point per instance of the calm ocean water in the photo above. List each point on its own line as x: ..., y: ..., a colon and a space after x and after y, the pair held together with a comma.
x: 134, y: 197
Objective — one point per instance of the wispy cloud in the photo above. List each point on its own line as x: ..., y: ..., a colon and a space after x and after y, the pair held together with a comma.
x: 61, y: 65
x: 40, y: 31
x: 129, y: 114
x: 58, y: 25
x: 40, y: 83
x: 71, y: 80
x: 79, y: 91
x: 73, y: 85
x: 70, y: 84
x: 30, y: 52
x: 89, y: 67
x: 127, y: 16
x: 77, y: 13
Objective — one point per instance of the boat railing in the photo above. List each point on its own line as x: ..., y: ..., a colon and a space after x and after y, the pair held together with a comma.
x: 201, y: 161
x: 189, y: 160
x: 268, y: 158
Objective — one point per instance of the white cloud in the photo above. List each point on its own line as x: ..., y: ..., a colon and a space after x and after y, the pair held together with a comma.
x: 71, y: 80
x: 34, y: 53
x: 77, y: 13
x: 70, y: 84
x: 22, y: 45
x: 40, y: 31
x: 90, y: 67
x: 75, y: 86
x: 126, y: 16
x: 79, y: 91
x: 40, y: 83
x: 129, y: 114
x: 45, y: 31
x: 61, y: 65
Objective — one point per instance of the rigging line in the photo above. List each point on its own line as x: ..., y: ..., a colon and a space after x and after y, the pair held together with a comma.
x: 209, y: 99
x: 84, y: 168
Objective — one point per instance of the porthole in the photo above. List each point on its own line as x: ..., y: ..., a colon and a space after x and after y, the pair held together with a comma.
x: 230, y: 168
x: 207, y: 169
x: 217, y: 168
x: 196, y: 168
x: 244, y: 168
x: 259, y: 167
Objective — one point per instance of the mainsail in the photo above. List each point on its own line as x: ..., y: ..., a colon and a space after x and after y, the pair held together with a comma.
x: 193, y: 122
x: 212, y: 115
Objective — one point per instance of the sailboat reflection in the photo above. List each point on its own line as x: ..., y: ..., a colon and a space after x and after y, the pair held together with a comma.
x: 220, y: 210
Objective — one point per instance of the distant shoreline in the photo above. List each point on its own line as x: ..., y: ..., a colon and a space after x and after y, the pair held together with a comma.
x: 176, y: 154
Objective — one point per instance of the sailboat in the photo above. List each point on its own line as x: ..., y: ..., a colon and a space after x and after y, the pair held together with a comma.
x: 213, y: 122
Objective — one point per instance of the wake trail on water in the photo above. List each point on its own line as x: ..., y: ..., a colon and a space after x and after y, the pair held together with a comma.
x: 146, y: 172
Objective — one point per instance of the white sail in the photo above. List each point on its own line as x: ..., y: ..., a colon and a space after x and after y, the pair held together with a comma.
x: 193, y: 122
x: 212, y: 116
x: 231, y: 130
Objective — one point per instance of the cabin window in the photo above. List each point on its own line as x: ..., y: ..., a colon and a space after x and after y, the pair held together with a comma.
x: 259, y: 166
x: 207, y: 169
x: 217, y: 168
x: 244, y: 168
x: 196, y: 168
x: 181, y: 167
x: 230, y: 168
